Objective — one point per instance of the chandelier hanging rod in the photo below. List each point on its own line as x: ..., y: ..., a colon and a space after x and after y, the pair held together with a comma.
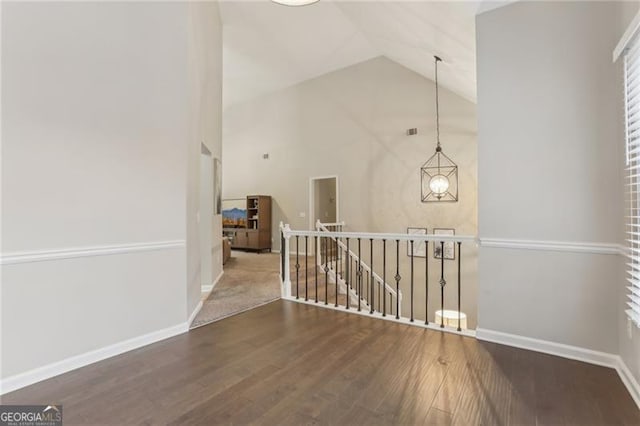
x: 438, y: 148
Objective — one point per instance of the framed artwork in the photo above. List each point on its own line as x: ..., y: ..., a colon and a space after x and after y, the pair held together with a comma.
x: 234, y: 213
x: 419, y: 247
x: 449, y: 246
x: 217, y: 186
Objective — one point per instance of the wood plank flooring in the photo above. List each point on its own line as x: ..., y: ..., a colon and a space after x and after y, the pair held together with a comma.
x: 289, y: 363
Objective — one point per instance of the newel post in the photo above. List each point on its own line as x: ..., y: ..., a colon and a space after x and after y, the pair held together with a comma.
x: 286, y: 264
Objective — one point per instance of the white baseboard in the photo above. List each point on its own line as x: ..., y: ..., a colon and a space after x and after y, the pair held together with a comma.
x: 48, y: 371
x: 195, y: 312
x: 547, y: 347
x: 566, y: 351
x: 217, y: 280
x: 629, y: 381
x: 209, y: 288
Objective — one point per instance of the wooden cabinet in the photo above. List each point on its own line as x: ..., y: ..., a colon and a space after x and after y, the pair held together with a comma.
x: 257, y: 233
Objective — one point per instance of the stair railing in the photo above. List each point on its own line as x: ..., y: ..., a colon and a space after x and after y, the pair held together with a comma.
x: 366, y: 272
x: 325, y: 240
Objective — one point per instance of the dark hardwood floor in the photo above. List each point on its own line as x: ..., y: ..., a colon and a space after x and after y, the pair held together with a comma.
x: 289, y: 363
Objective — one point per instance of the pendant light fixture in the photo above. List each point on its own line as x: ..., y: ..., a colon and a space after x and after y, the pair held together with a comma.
x: 295, y: 2
x: 439, y: 175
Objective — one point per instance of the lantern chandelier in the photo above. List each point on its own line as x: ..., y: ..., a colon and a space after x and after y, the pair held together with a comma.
x: 439, y: 175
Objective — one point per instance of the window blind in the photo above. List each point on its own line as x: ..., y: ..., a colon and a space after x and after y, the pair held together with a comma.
x: 632, y: 125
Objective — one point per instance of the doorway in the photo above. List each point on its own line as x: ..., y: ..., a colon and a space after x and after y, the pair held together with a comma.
x: 206, y: 219
x: 323, y: 200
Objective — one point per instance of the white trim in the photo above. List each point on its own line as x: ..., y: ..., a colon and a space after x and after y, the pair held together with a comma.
x: 209, y: 288
x: 544, y: 346
x: 195, y: 312
x: 288, y: 232
x: 311, y: 198
x: 217, y: 280
x: 629, y: 381
x: 54, y: 369
x: 629, y: 34
x: 71, y: 253
x: 567, y: 246
x: 378, y: 315
x: 566, y: 351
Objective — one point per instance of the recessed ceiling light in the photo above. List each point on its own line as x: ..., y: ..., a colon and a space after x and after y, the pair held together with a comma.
x: 295, y: 2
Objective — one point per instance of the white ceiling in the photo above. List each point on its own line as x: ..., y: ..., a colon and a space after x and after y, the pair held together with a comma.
x: 269, y: 46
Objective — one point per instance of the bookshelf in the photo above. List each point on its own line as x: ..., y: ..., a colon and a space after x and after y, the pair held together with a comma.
x: 256, y: 235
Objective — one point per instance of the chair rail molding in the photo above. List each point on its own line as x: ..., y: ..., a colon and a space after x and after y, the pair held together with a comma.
x: 13, y: 258
x: 546, y: 245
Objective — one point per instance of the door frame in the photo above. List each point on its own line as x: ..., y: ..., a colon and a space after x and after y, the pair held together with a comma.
x: 312, y: 225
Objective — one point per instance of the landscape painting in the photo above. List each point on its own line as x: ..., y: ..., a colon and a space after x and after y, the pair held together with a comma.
x: 234, y: 213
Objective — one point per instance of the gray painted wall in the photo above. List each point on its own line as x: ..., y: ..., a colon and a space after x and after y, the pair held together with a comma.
x: 549, y: 169
x: 96, y: 139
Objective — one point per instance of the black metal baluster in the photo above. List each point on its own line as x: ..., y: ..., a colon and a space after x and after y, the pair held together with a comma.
x: 426, y: 282
x: 379, y: 296
x: 336, y: 272
x: 442, y: 284
x: 306, y: 268
x: 351, y: 262
x: 282, y: 252
x: 326, y: 276
x: 297, y: 263
x: 347, y: 282
x: 340, y: 257
x: 384, y: 278
x: 372, y: 299
x: 390, y: 303
x: 411, y: 319
x: 397, y: 277
x: 459, y: 282
x: 333, y: 255
x: 359, y: 274
x: 316, y: 250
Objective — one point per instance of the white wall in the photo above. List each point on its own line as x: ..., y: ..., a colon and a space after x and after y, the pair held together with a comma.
x: 549, y: 170
x: 95, y: 123
x: 352, y: 123
x: 205, y: 127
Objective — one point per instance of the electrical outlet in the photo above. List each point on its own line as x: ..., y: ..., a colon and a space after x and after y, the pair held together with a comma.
x: 302, y: 214
x: 629, y: 329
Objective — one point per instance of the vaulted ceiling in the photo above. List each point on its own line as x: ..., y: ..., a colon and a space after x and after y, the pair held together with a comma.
x: 269, y: 47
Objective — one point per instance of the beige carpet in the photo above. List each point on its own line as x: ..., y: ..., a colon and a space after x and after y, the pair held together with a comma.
x: 250, y: 280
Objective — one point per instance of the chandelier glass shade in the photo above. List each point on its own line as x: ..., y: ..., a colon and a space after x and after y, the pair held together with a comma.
x: 439, y: 175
